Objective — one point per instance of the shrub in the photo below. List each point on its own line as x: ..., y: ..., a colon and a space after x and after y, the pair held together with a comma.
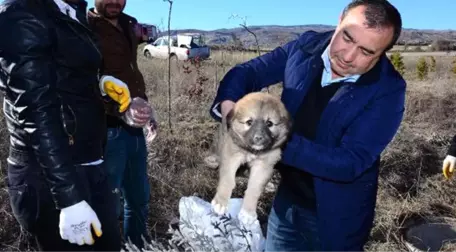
x: 433, y: 64
x: 397, y: 61
x: 453, y: 69
x: 422, y: 68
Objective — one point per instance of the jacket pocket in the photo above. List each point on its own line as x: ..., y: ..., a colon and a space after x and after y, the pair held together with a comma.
x: 24, y: 201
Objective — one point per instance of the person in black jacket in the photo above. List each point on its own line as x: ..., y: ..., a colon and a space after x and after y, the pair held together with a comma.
x: 54, y: 112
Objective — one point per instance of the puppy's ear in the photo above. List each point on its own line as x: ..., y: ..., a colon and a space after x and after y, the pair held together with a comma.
x: 229, y: 118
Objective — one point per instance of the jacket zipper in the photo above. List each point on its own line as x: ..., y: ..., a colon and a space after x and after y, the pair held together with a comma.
x: 65, y: 18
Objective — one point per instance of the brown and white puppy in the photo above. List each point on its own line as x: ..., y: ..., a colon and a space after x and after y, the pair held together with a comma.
x: 252, y: 133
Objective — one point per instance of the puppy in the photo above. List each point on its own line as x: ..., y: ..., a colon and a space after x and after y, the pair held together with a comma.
x: 252, y: 133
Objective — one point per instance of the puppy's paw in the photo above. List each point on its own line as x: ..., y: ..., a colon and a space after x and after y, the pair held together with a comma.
x: 247, y: 218
x: 219, y: 204
x: 270, y: 187
x: 211, y: 161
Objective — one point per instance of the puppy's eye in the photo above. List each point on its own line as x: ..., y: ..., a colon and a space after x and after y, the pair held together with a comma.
x: 249, y: 122
x: 269, y: 124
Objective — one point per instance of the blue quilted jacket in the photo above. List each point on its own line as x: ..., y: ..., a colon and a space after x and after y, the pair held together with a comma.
x: 356, y: 126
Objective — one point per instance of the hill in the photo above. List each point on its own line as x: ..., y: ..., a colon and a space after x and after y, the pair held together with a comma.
x: 270, y: 36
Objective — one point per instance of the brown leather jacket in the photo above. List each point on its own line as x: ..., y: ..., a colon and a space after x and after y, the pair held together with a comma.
x: 119, y: 50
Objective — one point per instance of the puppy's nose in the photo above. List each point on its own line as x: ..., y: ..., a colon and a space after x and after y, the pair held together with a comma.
x: 258, y: 138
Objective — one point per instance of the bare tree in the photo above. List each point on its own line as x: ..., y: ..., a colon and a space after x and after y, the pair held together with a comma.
x: 244, y: 25
x: 169, y: 63
x: 161, y: 26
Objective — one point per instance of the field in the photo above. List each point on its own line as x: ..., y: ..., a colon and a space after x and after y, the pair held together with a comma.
x: 411, y: 186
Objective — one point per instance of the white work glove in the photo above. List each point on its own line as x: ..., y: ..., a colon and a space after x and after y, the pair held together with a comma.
x: 117, y: 90
x: 75, y: 223
x: 448, y: 166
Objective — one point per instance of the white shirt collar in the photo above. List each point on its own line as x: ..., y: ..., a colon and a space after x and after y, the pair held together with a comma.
x: 326, y: 78
x: 66, y: 9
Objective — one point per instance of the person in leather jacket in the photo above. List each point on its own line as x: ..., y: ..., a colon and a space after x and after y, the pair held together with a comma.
x: 53, y: 106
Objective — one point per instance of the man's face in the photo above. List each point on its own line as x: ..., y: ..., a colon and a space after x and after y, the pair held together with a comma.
x: 110, y: 9
x: 355, y: 48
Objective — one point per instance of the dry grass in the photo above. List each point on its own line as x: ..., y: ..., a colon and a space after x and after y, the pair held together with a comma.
x: 411, y: 181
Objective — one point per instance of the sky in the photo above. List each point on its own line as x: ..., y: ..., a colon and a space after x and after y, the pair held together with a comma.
x: 214, y: 14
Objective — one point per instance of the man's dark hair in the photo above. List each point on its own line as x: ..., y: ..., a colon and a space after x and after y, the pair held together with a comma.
x: 379, y: 13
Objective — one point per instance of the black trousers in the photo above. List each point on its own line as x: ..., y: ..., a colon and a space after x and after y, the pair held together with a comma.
x: 34, y: 209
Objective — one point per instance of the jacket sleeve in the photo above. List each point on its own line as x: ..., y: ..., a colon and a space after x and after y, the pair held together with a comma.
x: 253, y: 75
x: 360, y: 147
x: 452, y: 149
x: 27, y: 56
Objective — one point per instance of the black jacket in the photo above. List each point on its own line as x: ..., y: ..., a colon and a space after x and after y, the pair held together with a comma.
x: 49, y: 73
x: 452, y: 148
x: 119, y: 49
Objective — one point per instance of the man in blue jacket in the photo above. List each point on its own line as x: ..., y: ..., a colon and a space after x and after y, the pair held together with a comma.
x: 347, y: 102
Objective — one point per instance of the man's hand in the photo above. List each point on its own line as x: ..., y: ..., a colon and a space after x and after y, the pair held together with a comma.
x: 151, y: 129
x: 226, y: 107
x: 139, y: 113
x: 448, y: 166
x: 117, y: 90
x: 75, y: 223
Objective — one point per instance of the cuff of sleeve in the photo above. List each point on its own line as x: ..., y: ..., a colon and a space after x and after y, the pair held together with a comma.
x: 217, y: 110
x: 105, y: 78
x: 289, y: 151
x: 452, y: 151
x: 101, y: 84
x: 68, y: 197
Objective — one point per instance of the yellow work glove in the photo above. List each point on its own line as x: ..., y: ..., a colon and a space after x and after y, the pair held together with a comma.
x: 448, y: 166
x: 117, y: 90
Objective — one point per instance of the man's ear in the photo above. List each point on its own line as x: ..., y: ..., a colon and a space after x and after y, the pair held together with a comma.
x: 229, y: 118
